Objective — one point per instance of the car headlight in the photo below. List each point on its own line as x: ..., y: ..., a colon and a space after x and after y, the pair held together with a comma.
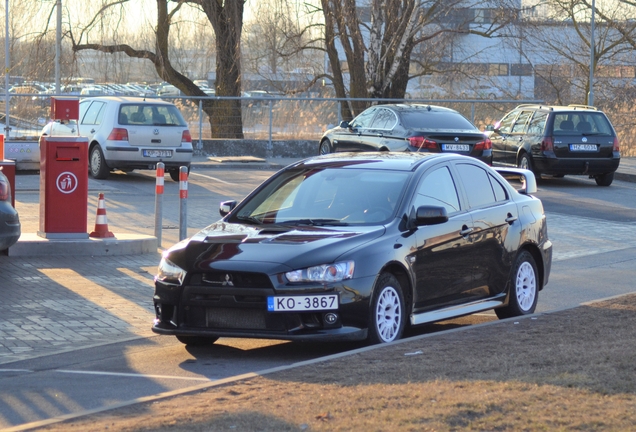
x: 323, y: 273
x: 170, y: 273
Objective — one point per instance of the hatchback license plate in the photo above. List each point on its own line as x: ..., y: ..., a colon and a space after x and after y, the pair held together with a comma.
x: 302, y: 303
x: 157, y: 153
x: 582, y: 147
x: 455, y: 147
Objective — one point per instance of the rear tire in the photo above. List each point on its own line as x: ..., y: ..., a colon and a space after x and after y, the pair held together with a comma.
x: 524, y: 288
x: 174, y: 173
x: 197, y: 340
x: 325, y: 148
x: 604, y: 179
x: 387, y: 315
x: 97, y: 164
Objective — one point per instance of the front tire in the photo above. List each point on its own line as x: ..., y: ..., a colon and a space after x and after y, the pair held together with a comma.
x: 604, y: 179
x: 97, y: 165
x: 387, y: 315
x: 524, y: 288
x: 325, y: 148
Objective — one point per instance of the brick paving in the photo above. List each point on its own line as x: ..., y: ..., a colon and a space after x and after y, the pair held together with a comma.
x: 58, y: 304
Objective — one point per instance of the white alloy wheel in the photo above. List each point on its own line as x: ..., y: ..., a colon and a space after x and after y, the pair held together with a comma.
x: 526, y: 286
x: 388, y: 314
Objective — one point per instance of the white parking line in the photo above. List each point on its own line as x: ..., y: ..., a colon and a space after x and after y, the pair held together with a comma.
x: 211, y: 178
x: 133, y: 375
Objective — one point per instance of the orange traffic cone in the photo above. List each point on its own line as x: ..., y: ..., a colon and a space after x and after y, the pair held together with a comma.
x: 101, y: 223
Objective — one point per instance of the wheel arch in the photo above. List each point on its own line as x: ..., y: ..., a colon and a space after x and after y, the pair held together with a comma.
x: 533, y: 249
x: 403, y: 277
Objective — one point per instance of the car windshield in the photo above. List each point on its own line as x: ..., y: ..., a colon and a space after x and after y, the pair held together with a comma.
x: 150, y: 115
x: 331, y: 196
x: 435, y: 120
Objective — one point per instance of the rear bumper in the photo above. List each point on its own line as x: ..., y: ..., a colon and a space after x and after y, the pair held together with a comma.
x: 578, y: 166
x: 132, y: 157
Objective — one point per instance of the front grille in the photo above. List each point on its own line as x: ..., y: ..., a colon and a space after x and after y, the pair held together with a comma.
x: 239, y: 319
x: 231, y: 279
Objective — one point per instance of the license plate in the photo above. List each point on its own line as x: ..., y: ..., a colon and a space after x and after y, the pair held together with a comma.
x: 582, y: 147
x: 302, y: 303
x: 455, y: 147
x: 157, y: 153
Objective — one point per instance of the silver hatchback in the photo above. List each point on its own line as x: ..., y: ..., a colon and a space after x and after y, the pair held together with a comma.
x: 129, y: 133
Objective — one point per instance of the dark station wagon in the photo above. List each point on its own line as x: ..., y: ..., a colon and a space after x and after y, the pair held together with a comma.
x: 558, y: 141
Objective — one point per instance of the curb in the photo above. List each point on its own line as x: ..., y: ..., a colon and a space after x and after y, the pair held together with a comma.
x: 30, y: 244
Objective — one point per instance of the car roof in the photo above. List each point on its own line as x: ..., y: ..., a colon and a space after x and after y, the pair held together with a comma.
x: 129, y: 99
x: 395, y: 161
x: 415, y: 107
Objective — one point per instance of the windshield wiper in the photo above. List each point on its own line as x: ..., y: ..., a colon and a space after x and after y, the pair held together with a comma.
x: 314, y: 222
x: 251, y: 219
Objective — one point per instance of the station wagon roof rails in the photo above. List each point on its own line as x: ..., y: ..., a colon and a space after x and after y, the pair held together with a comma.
x: 535, y: 105
x: 583, y: 107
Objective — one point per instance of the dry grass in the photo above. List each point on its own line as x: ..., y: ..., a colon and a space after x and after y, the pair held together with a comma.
x: 572, y: 370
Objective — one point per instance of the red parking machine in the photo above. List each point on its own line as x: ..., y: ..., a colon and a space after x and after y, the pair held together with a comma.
x: 63, y: 178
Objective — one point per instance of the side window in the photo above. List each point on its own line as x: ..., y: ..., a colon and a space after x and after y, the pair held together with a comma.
x: 438, y: 189
x: 537, y: 124
x: 384, y: 119
x: 476, y: 182
x: 498, y: 189
x: 505, y: 125
x: 520, y: 124
x: 94, y: 113
x: 364, y: 119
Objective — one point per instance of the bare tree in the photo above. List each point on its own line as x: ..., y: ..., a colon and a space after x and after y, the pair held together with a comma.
x: 378, y: 39
x: 559, y: 47
x: 226, y: 18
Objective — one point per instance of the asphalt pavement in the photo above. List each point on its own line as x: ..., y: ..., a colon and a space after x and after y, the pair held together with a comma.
x: 57, y: 302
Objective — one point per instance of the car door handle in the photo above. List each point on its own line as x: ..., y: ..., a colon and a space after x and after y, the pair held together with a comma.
x: 380, y: 135
x: 465, y: 231
x: 510, y: 219
x: 92, y: 131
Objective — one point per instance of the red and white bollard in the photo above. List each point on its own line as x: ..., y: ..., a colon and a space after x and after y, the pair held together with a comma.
x: 159, y: 201
x: 183, y: 201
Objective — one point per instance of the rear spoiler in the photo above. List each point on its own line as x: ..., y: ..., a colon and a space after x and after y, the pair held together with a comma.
x: 526, y: 177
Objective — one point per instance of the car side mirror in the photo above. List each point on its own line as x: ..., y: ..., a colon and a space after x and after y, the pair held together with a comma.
x: 430, y: 215
x: 345, y: 124
x: 226, y: 207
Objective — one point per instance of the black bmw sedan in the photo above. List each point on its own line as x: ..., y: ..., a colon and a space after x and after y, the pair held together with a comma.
x: 408, y: 127
x: 357, y: 246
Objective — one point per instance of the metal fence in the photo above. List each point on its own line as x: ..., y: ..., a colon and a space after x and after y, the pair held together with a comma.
x: 297, y: 118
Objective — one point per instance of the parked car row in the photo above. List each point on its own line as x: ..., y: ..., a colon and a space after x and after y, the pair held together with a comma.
x: 551, y: 140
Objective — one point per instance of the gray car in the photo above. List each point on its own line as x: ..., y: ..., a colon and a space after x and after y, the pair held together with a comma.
x: 9, y: 219
x: 129, y: 133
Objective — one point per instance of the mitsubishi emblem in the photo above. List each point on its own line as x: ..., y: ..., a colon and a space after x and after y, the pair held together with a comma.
x: 228, y: 281
x: 456, y: 139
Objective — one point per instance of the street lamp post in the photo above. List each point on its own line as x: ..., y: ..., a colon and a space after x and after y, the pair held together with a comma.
x: 590, y: 95
x: 7, y: 64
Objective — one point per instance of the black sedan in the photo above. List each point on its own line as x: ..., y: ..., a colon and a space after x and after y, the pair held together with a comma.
x: 408, y: 127
x: 356, y: 246
x: 9, y: 219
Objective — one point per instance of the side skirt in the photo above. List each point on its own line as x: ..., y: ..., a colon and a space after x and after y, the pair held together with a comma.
x: 457, y: 311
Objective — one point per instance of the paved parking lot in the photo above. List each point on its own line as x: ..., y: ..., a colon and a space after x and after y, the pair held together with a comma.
x: 54, y: 304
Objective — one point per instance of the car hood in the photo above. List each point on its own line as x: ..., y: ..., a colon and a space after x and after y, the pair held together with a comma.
x: 268, y: 249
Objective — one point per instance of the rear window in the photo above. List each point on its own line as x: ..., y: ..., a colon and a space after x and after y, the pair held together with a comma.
x: 150, y: 115
x: 582, y: 123
x: 435, y: 120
